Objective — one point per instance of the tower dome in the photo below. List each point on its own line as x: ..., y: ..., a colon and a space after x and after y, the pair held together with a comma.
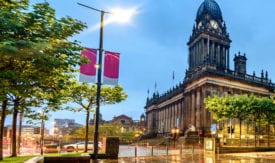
x: 210, y: 7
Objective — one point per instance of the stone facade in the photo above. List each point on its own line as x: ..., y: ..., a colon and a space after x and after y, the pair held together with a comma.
x: 208, y: 74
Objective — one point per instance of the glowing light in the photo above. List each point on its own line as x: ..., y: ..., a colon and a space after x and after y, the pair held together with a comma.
x: 97, y: 66
x: 117, y: 15
x: 122, y: 15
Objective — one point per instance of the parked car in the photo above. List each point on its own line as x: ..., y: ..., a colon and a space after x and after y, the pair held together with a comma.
x: 80, y: 146
x: 51, y: 148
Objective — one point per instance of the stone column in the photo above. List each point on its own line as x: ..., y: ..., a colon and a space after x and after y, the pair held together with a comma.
x: 203, y: 110
x: 181, y: 113
x: 223, y: 58
x: 227, y: 56
x: 177, y: 114
x: 201, y: 51
x: 172, y: 115
x: 213, y: 52
x: 193, y: 106
x: 166, y: 118
x: 159, y: 121
x: 219, y: 56
x: 198, y: 111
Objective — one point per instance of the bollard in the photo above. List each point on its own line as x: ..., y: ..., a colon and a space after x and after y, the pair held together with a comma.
x: 152, y: 151
x: 193, y: 149
x: 166, y: 150
x: 135, y: 151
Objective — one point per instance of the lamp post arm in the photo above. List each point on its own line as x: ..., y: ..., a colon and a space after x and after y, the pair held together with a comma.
x: 95, y: 9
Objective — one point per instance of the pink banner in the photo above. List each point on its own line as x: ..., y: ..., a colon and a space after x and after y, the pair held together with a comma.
x: 88, y: 71
x: 111, y: 68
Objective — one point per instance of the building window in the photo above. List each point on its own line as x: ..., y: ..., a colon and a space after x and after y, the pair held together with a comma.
x: 122, y: 121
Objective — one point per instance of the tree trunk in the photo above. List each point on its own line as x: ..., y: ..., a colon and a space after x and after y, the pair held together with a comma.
x: 2, y: 123
x: 255, y: 139
x: 20, y: 131
x: 240, y: 132
x: 42, y: 136
x: 87, y: 130
x: 268, y: 135
x: 14, y: 122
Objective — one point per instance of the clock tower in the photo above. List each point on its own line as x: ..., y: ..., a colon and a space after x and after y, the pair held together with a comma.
x: 208, y: 74
x: 209, y: 42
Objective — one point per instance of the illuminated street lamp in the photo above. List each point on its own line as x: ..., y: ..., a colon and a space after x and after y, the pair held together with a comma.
x: 123, y: 17
x: 175, y: 132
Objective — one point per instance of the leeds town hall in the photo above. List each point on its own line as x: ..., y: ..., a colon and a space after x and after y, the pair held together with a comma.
x: 208, y: 73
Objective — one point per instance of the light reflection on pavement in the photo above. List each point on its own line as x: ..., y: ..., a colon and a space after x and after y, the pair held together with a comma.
x: 129, y: 151
x: 160, y: 155
x: 187, y: 158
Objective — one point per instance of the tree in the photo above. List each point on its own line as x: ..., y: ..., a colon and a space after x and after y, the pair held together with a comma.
x: 84, y: 95
x: 107, y: 129
x: 36, y: 56
x: 219, y: 106
x: 261, y: 110
x: 242, y: 109
x: 222, y: 108
x: 264, y: 111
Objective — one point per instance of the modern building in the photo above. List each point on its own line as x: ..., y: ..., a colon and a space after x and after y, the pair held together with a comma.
x: 25, y: 130
x: 64, y: 126
x: 208, y: 73
x: 30, y: 135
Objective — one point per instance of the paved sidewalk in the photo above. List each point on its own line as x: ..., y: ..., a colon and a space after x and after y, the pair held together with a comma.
x: 263, y: 157
x: 155, y: 159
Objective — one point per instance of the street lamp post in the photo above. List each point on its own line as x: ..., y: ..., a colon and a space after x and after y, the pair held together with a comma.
x: 175, y: 131
x: 99, y: 71
x: 123, y: 17
x: 98, y: 85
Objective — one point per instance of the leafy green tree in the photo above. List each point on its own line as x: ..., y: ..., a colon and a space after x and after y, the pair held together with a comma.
x: 222, y: 108
x: 84, y: 95
x: 264, y: 113
x: 110, y: 129
x: 107, y: 129
x: 240, y: 109
x: 36, y: 57
x: 261, y: 110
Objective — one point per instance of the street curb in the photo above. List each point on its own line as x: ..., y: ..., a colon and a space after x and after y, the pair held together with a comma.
x: 37, y: 159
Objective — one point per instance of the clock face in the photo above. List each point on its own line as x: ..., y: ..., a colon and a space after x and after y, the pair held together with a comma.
x: 214, y: 24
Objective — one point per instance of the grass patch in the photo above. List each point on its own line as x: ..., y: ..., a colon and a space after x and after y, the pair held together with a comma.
x: 18, y: 159
x: 64, y: 154
x: 21, y: 159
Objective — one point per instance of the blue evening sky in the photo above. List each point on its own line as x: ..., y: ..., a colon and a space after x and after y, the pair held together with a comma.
x: 153, y: 45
